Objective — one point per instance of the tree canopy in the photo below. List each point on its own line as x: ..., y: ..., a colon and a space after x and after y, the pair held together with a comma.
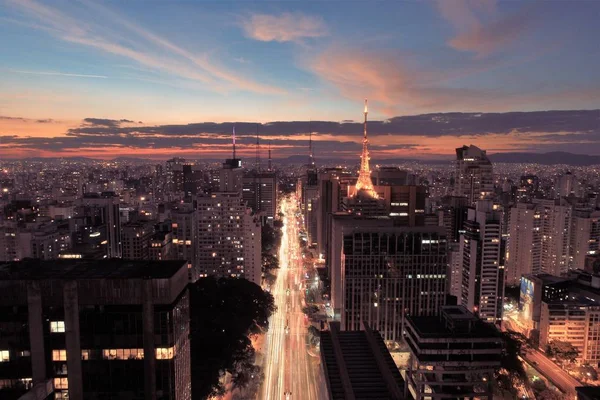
x: 224, y: 313
x: 563, y: 351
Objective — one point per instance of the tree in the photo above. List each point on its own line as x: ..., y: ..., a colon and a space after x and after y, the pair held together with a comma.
x: 314, y: 335
x: 512, y: 373
x: 549, y: 394
x: 539, y: 385
x: 563, y: 351
x: 310, y: 310
x: 224, y: 313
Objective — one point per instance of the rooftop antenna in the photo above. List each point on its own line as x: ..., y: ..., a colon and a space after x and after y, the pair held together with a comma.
x: 257, y: 188
x: 233, y: 137
x: 257, y: 150
x: 311, y: 159
x: 270, y: 165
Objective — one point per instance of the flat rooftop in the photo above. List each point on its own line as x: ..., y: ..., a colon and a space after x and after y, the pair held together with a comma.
x: 67, y: 269
x: 435, y: 327
x: 358, y: 367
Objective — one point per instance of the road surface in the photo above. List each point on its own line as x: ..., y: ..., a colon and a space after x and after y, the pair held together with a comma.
x: 288, y: 367
x: 565, y: 382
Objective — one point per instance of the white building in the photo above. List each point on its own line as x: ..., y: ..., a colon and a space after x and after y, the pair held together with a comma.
x: 524, y: 247
x: 483, y: 277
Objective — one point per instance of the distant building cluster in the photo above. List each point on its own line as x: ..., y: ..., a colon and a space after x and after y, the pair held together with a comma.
x: 422, y: 256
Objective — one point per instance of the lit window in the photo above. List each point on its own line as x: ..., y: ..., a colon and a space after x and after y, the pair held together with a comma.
x: 85, y: 354
x: 61, y: 383
x: 4, y: 356
x: 59, y: 355
x: 57, y: 326
x: 165, y: 353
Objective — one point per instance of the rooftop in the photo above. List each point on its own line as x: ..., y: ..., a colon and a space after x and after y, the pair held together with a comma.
x: 466, y: 325
x: 68, y: 269
x: 358, y: 368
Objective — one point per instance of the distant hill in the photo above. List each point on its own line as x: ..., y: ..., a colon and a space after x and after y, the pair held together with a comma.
x: 556, y: 157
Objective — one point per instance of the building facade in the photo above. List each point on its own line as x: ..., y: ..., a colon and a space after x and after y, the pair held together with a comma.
x: 97, y: 329
x: 483, y: 276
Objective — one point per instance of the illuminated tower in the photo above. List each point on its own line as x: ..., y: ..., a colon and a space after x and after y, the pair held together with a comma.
x: 364, y: 182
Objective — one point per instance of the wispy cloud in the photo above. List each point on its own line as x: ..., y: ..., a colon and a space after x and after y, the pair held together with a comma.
x: 480, y: 28
x: 400, y: 85
x: 284, y: 27
x: 51, y: 73
x: 171, y: 58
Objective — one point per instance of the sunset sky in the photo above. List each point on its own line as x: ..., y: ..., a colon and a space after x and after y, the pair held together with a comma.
x: 161, y: 78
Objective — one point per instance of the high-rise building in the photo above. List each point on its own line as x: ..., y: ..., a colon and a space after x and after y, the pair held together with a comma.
x: 585, y: 237
x: 331, y: 193
x: 483, y: 276
x: 566, y: 185
x: 136, y: 240
x: 103, y: 209
x: 556, y: 228
x: 524, y: 248
x: 220, y: 235
x: 473, y: 176
x: 96, y: 329
x: 381, y: 273
x: 174, y: 180
x: 260, y: 194
x: 453, y: 355
x: 161, y: 246
x: 183, y: 229
x: 252, y: 247
x: 389, y: 176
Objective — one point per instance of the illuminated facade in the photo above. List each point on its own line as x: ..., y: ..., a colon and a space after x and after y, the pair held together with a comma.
x: 381, y: 273
x: 473, y: 176
x: 98, y: 329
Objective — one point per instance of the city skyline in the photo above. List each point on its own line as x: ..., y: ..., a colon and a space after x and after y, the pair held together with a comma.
x: 106, y: 80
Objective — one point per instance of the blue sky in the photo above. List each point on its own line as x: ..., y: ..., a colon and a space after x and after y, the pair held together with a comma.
x: 177, y: 62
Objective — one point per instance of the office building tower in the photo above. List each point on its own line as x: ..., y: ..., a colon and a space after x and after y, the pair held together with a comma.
x: 333, y: 185
x: 220, y: 235
x: 252, y: 245
x: 136, y: 240
x: 231, y: 173
x: 183, y: 230
x: 529, y: 186
x: 454, y: 271
x: 566, y: 185
x: 556, y: 233
x: 102, y: 209
x: 97, y: 329
x: 174, y: 180
x: 405, y: 204
x: 260, y: 194
x: 381, y: 273
x: 473, y: 176
x: 389, y: 176
x: 453, y: 355
x: 483, y: 277
x: 524, y: 248
x: 585, y: 237
x: 161, y: 246
x: 309, y: 195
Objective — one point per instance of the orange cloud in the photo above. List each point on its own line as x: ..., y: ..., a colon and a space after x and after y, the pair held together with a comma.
x: 285, y: 27
x: 480, y: 29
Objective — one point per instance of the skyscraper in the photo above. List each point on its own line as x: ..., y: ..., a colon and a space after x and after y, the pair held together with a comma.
x: 381, y: 273
x: 473, y: 176
x: 483, y: 277
x: 103, y: 208
x: 220, y: 235
x: 524, y: 248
